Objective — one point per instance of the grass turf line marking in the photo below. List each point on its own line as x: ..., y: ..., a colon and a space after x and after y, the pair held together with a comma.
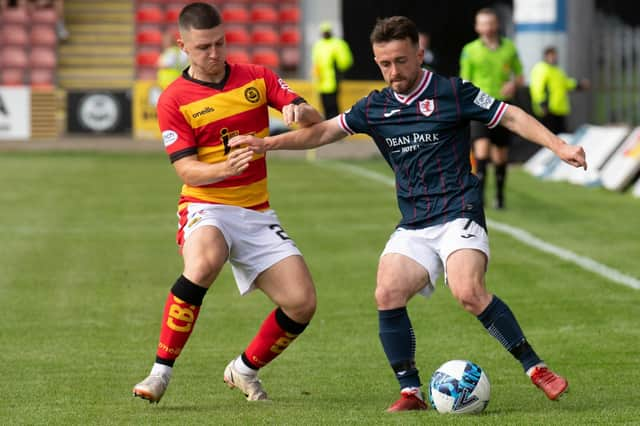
x: 521, y: 235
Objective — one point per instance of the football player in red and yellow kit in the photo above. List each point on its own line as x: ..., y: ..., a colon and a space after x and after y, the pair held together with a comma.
x: 224, y: 211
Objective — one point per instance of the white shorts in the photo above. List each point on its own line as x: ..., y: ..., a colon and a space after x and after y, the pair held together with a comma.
x: 255, y: 239
x: 431, y: 246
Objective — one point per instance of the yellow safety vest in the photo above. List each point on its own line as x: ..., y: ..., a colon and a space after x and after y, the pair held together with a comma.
x: 171, y: 63
x: 329, y: 55
x: 550, y: 85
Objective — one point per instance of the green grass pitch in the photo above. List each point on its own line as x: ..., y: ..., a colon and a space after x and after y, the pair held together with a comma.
x: 88, y: 255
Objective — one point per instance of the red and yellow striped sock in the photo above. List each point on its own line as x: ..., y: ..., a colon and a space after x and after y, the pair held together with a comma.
x: 180, y: 314
x: 275, y: 334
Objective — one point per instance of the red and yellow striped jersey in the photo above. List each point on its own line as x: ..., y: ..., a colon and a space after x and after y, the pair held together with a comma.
x: 196, y: 117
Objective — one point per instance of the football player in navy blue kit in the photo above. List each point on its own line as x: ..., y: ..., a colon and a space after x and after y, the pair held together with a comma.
x: 420, y: 124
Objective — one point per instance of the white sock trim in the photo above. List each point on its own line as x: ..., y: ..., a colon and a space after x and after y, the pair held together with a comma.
x: 243, y: 368
x: 161, y: 370
x: 531, y: 370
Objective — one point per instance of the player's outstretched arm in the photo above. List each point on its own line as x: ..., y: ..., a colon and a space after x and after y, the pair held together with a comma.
x: 194, y: 172
x: 523, y: 124
x: 319, y: 134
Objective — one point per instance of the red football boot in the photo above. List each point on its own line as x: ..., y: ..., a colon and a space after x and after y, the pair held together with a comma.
x: 410, y: 399
x: 551, y: 384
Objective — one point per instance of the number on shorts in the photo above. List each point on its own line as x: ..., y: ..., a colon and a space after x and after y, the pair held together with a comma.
x: 279, y: 231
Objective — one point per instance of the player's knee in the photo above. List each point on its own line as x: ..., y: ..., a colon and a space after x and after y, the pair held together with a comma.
x: 471, y: 297
x: 390, y: 297
x: 302, y: 308
x: 202, y: 271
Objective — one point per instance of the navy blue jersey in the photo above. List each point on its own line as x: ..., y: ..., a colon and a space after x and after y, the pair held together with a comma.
x: 424, y: 136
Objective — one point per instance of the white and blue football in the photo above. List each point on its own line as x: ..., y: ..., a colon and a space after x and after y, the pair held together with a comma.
x: 459, y: 387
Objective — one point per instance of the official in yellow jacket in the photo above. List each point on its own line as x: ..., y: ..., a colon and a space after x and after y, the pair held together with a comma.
x: 331, y: 57
x: 549, y: 88
x: 172, y: 61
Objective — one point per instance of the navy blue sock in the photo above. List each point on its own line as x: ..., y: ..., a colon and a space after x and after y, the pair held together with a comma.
x: 399, y: 343
x: 500, y: 322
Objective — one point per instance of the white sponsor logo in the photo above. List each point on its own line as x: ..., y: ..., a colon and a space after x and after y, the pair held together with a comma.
x: 483, y: 100
x: 169, y: 137
x: 412, y: 142
x: 390, y: 113
x: 284, y: 85
x: 426, y: 107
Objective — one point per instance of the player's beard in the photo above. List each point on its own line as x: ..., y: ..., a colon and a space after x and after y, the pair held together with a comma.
x: 403, y: 85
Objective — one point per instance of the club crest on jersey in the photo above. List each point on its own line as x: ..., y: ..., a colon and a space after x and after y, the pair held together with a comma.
x: 252, y: 95
x: 426, y: 107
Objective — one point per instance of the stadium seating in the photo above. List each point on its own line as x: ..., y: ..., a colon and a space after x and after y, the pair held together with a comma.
x: 12, y: 77
x: 289, y: 14
x: 264, y: 35
x: 14, y: 15
x: 43, y: 35
x: 43, y: 77
x: 172, y: 14
x: 150, y: 15
x: 267, y: 57
x: 235, y: 14
x: 262, y: 31
x: 290, y: 36
x: 237, y: 35
x: 151, y: 36
x: 238, y: 56
x: 44, y: 16
x: 264, y: 13
x: 14, y: 57
x: 14, y: 35
x: 42, y: 57
x: 290, y: 58
x: 147, y: 58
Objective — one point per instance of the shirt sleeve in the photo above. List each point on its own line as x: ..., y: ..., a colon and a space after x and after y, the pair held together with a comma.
x: 279, y: 93
x: 177, y: 134
x: 479, y: 106
x: 354, y: 120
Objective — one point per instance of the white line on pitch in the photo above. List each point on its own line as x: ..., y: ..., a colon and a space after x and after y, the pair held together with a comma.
x: 517, y: 233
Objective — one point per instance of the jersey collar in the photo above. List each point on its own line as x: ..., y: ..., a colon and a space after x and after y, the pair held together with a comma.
x: 217, y: 86
x: 415, y: 93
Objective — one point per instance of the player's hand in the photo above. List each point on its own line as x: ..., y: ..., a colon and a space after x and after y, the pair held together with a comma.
x: 238, y: 161
x: 301, y: 114
x: 250, y: 142
x: 508, y: 90
x: 573, y: 154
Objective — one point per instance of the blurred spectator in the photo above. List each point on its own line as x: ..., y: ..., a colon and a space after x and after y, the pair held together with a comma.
x: 429, y: 61
x: 172, y: 60
x: 331, y: 57
x: 550, y: 87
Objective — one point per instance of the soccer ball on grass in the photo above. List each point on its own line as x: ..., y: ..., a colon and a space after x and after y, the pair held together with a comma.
x: 459, y: 387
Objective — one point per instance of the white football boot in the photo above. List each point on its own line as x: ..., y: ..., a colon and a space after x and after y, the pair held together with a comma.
x: 249, y: 384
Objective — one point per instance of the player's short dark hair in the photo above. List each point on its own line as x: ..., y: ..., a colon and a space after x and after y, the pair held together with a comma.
x: 550, y: 49
x: 394, y: 28
x: 487, y: 11
x: 200, y: 16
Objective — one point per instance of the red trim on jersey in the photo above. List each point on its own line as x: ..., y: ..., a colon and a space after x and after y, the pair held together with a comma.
x: 497, y: 116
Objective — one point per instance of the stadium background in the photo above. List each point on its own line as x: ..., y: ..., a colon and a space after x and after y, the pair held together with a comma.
x: 98, y: 85
x: 88, y: 250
